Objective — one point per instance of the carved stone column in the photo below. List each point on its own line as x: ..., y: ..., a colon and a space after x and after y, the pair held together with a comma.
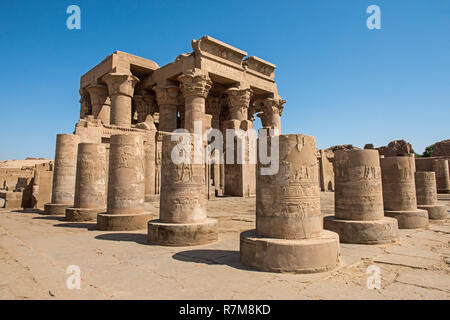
x: 145, y: 105
x: 100, y: 101
x: 359, y: 216
x: 85, y: 104
x: 126, y: 185
x: 90, y: 185
x: 63, y: 189
x: 121, y: 89
x: 183, y: 217
x: 399, y: 193
x: 195, y: 85
x: 442, y: 176
x: 240, y: 179
x: 426, y: 193
x: 271, y: 113
x: 289, y: 236
x: 168, y: 100
x: 213, y: 107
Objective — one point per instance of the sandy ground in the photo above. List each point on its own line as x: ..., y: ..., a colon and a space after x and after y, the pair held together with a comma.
x: 36, y: 250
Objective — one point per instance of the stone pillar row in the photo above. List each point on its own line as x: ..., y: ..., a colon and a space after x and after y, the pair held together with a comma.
x: 359, y: 215
x: 426, y: 193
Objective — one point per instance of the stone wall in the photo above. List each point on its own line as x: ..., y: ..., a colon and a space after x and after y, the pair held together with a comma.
x: 442, y: 148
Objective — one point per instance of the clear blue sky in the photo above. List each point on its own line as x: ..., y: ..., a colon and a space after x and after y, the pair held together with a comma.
x: 343, y: 83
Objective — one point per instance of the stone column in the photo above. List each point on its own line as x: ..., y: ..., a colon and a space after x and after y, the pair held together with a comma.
x: 359, y: 215
x: 126, y: 185
x: 289, y: 236
x: 427, y: 195
x: 182, y: 215
x: 167, y: 97
x: 100, y: 101
x: 90, y: 185
x: 151, y: 194
x: 213, y: 108
x: 85, y: 104
x: 399, y: 192
x: 240, y: 179
x: 63, y: 190
x: 442, y: 176
x: 271, y: 113
x: 194, y: 85
x: 121, y: 89
x: 145, y: 106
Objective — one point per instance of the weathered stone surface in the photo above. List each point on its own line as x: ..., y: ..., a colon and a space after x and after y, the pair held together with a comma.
x: 399, y: 192
x: 359, y: 216
x: 384, y: 230
x: 442, y: 148
x: 427, y: 195
x: 90, y: 186
x: 396, y: 148
x: 317, y: 254
x: 183, y: 218
x: 442, y: 176
x: 126, y: 185
x: 289, y: 235
x: 63, y: 190
x: 182, y: 234
x: 121, y: 89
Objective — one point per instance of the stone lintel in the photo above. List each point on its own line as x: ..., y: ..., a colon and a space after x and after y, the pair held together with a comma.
x: 260, y: 66
x: 118, y: 62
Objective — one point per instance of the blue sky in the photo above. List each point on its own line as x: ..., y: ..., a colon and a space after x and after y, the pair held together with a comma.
x: 343, y: 83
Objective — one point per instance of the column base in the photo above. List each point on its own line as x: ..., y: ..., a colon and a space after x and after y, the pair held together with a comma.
x: 122, y: 222
x: 435, y: 212
x: 363, y: 232
x: 182, y: 234
x: 82, y: 214
x: 152, y: 198
x: 444, y: 191
x: 298, y: 256
x: 55, y: 209
x: 409, y: 219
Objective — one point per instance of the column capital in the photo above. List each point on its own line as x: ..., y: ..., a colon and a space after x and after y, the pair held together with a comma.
x: 195, y: 82
x: 239, y: 102
x: 120, y: 83
x: 145, y: 105
x: 273, y: 106
x: 98, y: 94
x: 167, y: 94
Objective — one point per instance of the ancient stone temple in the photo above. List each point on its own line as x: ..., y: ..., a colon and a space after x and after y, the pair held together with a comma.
x: 216, y: 84
x: 427, y: 195
x: 399, y: 192
x: 359, y: 215
x: 289, y: 235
